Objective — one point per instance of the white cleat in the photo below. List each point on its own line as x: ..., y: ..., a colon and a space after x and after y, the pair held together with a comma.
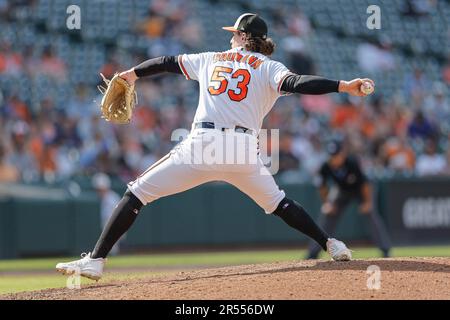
x: 86, y: 267
x: 338, y: 250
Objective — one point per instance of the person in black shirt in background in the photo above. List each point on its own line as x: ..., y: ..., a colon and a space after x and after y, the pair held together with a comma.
x: 349, y: 184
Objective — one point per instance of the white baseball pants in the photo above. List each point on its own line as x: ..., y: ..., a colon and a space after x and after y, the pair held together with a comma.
x: 198, y: 159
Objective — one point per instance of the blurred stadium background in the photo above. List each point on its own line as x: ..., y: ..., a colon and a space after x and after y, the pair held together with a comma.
x: 52, y: 140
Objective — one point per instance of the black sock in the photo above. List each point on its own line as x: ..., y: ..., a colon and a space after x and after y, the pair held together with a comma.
x: 120, y: 221
x: 295, y: 216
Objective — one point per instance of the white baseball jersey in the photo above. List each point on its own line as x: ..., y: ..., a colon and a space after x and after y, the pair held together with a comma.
x: 237, y: 87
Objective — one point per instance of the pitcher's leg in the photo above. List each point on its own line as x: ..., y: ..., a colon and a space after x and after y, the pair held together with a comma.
x: 328, y: 223
x: 261, y: 187
x: 120, y: 221
x: 91, y: 265
x: 167, y: 177
x: 162, y: 179
x: 296, y: 216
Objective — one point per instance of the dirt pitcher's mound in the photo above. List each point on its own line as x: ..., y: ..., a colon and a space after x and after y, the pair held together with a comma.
x: 401, y: 278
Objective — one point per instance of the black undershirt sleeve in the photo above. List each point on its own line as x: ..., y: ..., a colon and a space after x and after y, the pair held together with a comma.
x: 158, y: 65
x: 306, y: 84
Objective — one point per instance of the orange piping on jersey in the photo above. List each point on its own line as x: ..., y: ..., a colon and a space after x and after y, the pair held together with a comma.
x: 281, y: 82
x: 252, y: 59
x: 257, y: 63
x: 180, y: 62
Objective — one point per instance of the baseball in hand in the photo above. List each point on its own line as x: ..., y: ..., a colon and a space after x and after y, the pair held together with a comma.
x: 366, y: 87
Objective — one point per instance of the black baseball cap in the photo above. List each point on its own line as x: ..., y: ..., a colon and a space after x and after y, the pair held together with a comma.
x: 250, y: 22
x: 334, y: 147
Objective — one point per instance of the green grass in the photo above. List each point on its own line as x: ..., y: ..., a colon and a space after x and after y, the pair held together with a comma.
x: 162, y: 260
x: 17, y: 283
x: 11, y: 284
x: 24, y: 282
x: 213, y: 258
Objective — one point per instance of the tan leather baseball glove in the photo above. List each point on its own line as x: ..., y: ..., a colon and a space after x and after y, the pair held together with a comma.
x: 119, y: 100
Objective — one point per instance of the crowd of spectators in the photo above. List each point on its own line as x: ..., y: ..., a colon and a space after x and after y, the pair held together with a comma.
x: 406, y: 134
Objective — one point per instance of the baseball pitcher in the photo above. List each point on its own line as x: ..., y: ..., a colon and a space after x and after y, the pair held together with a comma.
x: 237, y: 88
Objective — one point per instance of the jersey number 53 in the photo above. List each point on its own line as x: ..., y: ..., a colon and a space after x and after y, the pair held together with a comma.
x: 219, y: 83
